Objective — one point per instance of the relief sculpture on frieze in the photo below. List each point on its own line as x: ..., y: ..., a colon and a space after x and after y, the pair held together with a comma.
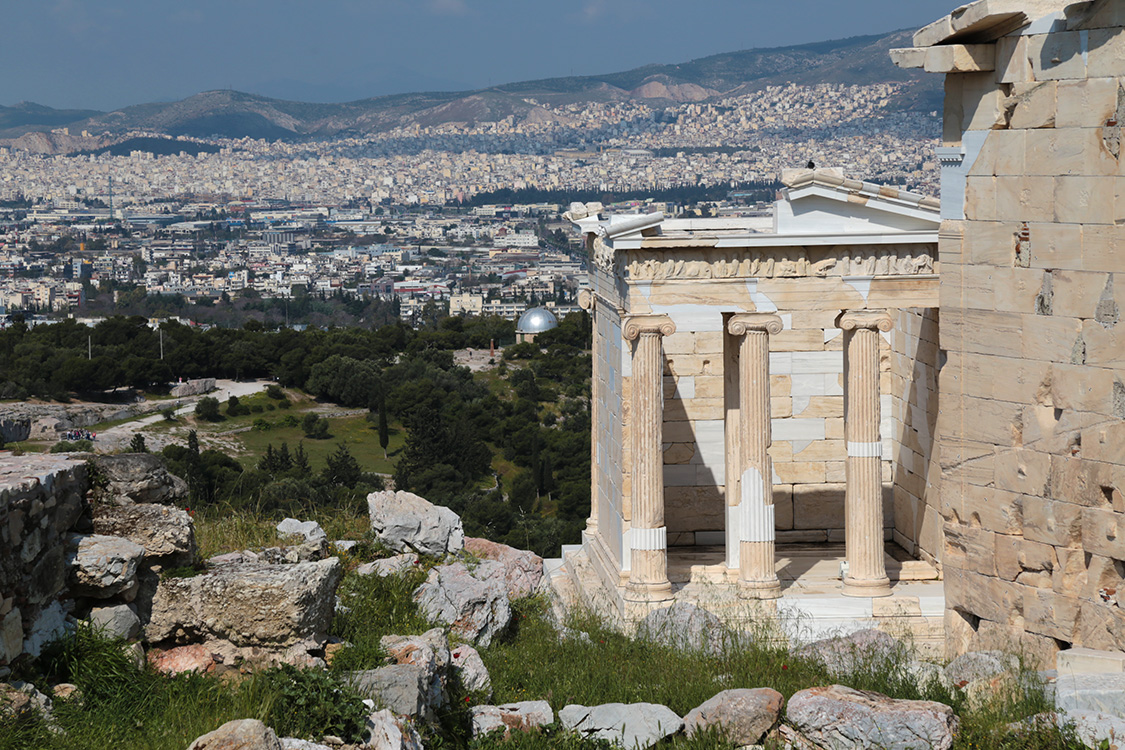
x: 711, y: 263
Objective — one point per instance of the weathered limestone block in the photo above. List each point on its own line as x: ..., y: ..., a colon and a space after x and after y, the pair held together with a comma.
x: 101, y: 566
x: 840, y: 717
x: 745, y: 716
x: 166, y: 533
x: 401, y: 688
x: 633, y: 726
x: 683, y: 625
x: 272, y: 606
x: 843, y: 654
x: 307, y: 530
x: 405, y: 522
x: 193, y: 388
x: 386, y: 731
x: 521, y: 717
x: 470, y: 670
x: 430, y: 651
x: 389, y: 566
x: 473, y: 604
x: 241, y: 734
x: 522, y: 570
x: 138, y: 478
x: 117, y: 621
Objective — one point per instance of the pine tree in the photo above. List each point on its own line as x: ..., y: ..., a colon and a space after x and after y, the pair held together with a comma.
x: 384, y: 430
x: 301, y: 461
x: 137, y: 444
x: 284, y: 461
x: 342, y: 468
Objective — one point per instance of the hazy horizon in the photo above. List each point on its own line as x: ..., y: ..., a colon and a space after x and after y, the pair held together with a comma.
x: 68, y: 54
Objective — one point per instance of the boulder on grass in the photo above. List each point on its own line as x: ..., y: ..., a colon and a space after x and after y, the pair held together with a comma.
x: 309, y: 531
x: 390, y: 566
x: 385, y: 731
x: 521, y: 717
x: 522, y: 570
x: 270, y: 606
x: 241, y: 734
x: 137, y: 478
x: 166, y: 533
x: 408, y: 523
x: 402, y: 688
x: 430, y: 651
x: 684, y: 626
x: 844, y: 654
x: 101, y: 566
x: 744, y: 715
x: 470, y: 670
x: 473, y: 604
x: 633, y: 726
x: 118, y: 621
x: 979, y: 665
x: 841, y: 718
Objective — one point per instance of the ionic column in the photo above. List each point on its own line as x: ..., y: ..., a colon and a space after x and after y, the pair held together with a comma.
x: 866, y: 574
x: 648, y: 573
x: 757, y: 574
x: 586, y: 302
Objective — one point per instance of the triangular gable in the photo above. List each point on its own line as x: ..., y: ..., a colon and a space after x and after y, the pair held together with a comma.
x: 823, y: 202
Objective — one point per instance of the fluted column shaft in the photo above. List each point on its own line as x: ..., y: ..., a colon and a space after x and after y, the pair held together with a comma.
x: 648, y: 572
x: 757, y: 575
x: 867, y: 574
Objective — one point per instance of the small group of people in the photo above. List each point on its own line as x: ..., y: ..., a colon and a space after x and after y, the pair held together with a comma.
x: 74, y: 435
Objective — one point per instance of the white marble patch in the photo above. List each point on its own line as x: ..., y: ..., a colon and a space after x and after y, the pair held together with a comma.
x: 797, y: 429
x: 861, y: 284
x: 800, y: 445
x: 817, y: 362
x: 781, y: 363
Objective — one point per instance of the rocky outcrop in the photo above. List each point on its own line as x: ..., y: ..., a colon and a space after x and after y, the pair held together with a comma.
x: 744, y: 716
x: 405, y: 522
x: 633, y: 726
x: 101, y: 566
x: 137, y: 478
x: 166, y: 533
x: 473, y: 604
x: 193, y: 388
x: 842, y: 718
x: 521, y: 717
x: 522, y: 570
x: 241, y: 734
x: 268, y: 606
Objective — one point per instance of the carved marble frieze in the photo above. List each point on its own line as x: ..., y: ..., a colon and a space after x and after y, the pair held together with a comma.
x: 792, y: 262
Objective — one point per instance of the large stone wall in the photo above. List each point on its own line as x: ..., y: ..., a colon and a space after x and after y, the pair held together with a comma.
x: 42, y: 499
x: 913, y: 433
x: 1032, y: 392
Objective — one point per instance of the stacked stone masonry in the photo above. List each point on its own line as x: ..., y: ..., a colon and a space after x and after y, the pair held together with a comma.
x: 1032, y: 385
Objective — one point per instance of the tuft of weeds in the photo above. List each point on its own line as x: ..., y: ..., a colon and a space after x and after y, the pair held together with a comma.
x: 310, y: 703
x: 370, y: 607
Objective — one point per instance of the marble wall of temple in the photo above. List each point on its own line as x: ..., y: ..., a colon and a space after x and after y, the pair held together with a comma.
x: 1031, y: 391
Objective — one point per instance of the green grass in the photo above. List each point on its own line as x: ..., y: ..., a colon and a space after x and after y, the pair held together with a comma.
x: 221, y: 529
x: 361, y: 435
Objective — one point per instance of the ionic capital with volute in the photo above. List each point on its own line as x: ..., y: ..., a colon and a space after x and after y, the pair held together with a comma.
x: 586, y: 299
x: 850, y: 320
x: 635, y: 325
x: 743, y: 323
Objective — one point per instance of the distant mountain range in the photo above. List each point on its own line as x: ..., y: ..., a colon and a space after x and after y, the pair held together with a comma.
x: 233, y: 114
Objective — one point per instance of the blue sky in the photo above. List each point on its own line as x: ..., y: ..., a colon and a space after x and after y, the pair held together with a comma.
x: 105, y: 54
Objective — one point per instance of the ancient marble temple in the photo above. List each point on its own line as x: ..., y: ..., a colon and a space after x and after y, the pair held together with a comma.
x: 762, y: 384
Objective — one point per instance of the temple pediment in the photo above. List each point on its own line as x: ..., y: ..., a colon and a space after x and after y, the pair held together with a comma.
x: 826, y: 202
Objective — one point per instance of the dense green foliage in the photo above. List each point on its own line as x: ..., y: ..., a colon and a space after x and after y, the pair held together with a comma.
x: 508, y: 449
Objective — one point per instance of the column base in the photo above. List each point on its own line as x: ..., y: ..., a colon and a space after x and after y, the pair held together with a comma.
x: 871, y: 589
x: 759, y: 589
x: 648, y: 593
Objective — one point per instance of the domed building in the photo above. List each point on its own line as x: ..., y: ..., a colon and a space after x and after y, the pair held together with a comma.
x: 533, y: 322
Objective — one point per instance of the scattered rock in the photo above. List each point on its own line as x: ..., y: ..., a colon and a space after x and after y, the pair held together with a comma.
x: 744, y: 715
x: 272, y: 606
x: 344, y: 545
x: 1100, y: 693
x: 194, y: 658
x: 309, y: 530
x: 292, y: 743
x: 430, y: 651
x: 1093, y: 728
x: 193, y: 387
x: 631, y: 726
x: 844, y: 654
x: 66, y: 691
x: 979, y: 665
x: 474, y: 605
x: 403, y: 521
x: 683, y: 626
x: 390, y: 566
x: 166, y: 533
x: 520, y: 717
x: 118, y: 621
x: 20, y: 699
x: 101, y: 566
x: 841, y: 718
x: 402, y: 688
x: 522, y: 570
x: 388, y: 732
x: 138, y: 478
x: 471, y: 671
x: 233, y: 558
x: 241, y: 734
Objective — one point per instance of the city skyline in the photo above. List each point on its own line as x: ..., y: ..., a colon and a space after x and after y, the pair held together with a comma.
x: 68, y: 54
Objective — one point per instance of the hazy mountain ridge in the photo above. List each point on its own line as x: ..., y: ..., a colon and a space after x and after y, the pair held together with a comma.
x: 235, y: 114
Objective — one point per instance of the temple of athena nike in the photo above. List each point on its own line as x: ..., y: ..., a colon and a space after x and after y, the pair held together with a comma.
x: 875, y: 408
